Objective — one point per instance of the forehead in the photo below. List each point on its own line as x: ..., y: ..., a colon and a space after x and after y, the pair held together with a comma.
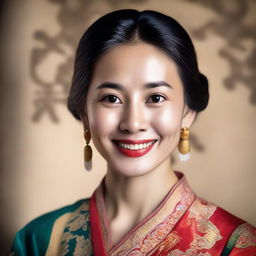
x: 136, y: 63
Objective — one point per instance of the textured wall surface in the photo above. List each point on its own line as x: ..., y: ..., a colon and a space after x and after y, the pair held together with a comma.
x: 42, y: 145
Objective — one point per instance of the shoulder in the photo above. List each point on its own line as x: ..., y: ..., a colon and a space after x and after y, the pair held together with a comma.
x: 229, y: 232
x: 205, y: 209
x: 37, y: 233
x: 46, y: 221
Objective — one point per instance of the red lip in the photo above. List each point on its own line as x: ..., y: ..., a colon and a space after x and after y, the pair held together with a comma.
x: 134, y: 153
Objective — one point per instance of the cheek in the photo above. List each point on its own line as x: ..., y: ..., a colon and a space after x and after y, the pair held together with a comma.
x: 102, y: 121
x: 167, y: 122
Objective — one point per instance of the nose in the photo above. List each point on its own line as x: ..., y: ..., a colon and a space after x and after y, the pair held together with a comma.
x: 134, y: 118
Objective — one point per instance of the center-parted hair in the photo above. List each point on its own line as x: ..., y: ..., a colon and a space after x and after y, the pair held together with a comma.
x: 129, y: 26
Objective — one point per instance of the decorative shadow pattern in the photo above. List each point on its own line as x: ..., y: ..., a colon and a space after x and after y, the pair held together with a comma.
x: 73, y: 18
x: 232, y: 27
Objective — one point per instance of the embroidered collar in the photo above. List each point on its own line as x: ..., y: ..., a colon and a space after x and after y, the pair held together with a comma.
x: 148, y: 233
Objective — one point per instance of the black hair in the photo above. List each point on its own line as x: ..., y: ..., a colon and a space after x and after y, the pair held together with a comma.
x: 126, y: 26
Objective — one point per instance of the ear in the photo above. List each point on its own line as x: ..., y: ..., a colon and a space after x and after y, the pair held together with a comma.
x: 188, y: 117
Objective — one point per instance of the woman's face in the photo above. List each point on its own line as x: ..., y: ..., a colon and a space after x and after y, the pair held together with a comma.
x: 135, y: 108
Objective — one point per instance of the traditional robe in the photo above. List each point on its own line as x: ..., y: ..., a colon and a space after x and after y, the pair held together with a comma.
x: 182, y: 225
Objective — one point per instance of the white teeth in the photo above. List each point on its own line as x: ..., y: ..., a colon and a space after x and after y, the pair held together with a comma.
x: 135, y: 146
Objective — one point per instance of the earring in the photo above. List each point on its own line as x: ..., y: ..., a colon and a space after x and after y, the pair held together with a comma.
x: 184, y: 146
x: 87, y: 151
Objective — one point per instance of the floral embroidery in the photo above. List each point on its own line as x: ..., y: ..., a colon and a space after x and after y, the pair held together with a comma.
x: 76, y: 238
x: 247, y: 236
x: 83, y: 245
x: 165, y: 246
x: 189, y: 252
x: 208, y: 240
x: 160, y: 231
x: 201, y: 212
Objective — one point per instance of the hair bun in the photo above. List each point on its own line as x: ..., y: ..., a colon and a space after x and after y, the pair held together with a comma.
x: 203, y: 80
x: 204, y: 92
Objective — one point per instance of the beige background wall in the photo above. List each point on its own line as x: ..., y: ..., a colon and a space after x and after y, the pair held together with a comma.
x: 42, y: 145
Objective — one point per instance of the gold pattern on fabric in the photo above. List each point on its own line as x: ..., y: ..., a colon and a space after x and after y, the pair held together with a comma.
x: 171, y: 240
x: 83, y: 245
x: 76, y: 238
x: 247, y: 236
x: 147, y: 235
x: 200, y: 212
x: 189, y: 252
x: 57, y: 231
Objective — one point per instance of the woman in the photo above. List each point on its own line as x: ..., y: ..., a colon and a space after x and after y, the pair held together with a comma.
x: 137, y: 89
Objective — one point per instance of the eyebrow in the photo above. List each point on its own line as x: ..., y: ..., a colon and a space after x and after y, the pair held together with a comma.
x: 121, y: 88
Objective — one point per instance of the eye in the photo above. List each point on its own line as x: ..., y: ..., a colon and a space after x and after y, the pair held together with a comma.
x: 156, y: 98
x: 111, y: 99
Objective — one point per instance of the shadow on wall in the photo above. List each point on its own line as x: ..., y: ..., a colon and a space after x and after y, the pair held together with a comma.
x: 232, y: 28
x: 71, y: 19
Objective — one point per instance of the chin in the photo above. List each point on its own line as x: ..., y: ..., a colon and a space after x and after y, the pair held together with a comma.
x: 131, y: 171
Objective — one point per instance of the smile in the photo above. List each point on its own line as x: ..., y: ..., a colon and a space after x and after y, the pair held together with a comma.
x: 134, y: 148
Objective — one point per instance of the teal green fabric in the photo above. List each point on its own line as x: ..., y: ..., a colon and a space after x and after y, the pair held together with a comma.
x: 231, y: 242
x: 76, y: 238
x: 34, y: 238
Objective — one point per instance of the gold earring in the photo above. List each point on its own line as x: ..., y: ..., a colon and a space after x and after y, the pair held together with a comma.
x: 87, y: 151
x: 184, y: 147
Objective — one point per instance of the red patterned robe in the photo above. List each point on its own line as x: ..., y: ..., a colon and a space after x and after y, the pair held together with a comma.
x: 182, y: 225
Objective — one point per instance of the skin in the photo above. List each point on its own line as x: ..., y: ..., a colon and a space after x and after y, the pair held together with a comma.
x: 136, y: 185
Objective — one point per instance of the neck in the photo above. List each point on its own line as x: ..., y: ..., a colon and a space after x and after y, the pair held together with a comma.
x: 136, y: 197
